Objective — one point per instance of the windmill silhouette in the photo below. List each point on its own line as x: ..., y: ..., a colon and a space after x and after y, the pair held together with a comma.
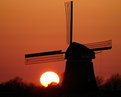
x: 79, y: 66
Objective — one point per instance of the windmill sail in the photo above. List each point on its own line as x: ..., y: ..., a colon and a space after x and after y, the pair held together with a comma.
x: 69, y: 20
x: 98, y: 46
x: 44, y: 57
x: 53, y: 56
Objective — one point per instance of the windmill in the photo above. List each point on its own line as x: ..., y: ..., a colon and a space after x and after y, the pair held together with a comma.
x: 75, y: 55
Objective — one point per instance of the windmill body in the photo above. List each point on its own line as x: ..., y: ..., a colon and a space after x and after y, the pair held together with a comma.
x: 79, y: 71
x: 79, y: 77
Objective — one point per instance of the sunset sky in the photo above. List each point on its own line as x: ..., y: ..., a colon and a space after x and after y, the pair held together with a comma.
x: 30, y: 26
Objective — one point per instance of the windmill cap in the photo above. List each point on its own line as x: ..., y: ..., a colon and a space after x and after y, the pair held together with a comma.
x: 77, y: 51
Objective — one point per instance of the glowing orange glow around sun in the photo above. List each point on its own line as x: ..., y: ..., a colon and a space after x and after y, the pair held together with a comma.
x: 48, y: 78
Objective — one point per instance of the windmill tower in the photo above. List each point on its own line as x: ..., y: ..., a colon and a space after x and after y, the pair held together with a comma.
x: 79, y: 66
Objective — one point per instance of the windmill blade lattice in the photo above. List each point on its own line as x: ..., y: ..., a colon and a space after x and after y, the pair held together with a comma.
x: 98, y: 46
x: 44, y: 57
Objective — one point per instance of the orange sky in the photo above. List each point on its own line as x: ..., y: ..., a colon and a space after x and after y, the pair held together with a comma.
x: 29, y: 26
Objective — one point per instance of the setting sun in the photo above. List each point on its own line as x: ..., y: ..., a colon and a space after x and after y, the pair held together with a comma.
x: 48, y: 78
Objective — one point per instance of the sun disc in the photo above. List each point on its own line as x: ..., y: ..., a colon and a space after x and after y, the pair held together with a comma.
x: 48, y: 78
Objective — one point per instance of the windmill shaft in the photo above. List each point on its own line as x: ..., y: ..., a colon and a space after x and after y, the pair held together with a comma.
x: 43, y: 54
x: 71, y: 21
x: 99, y: 49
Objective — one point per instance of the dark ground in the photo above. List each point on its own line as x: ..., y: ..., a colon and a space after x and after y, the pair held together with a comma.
x: 17, y: 88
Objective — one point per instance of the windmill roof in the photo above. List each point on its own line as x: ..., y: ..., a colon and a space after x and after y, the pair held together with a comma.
x: 77, y: 51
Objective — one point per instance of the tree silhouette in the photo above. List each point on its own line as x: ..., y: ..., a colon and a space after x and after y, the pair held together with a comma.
x: 99, y: 80
x: 113, y: 83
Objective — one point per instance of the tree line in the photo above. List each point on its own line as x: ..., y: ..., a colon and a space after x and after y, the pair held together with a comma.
x: 17, y: 88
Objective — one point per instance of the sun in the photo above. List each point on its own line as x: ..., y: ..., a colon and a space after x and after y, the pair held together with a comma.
x: 48, y: 78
